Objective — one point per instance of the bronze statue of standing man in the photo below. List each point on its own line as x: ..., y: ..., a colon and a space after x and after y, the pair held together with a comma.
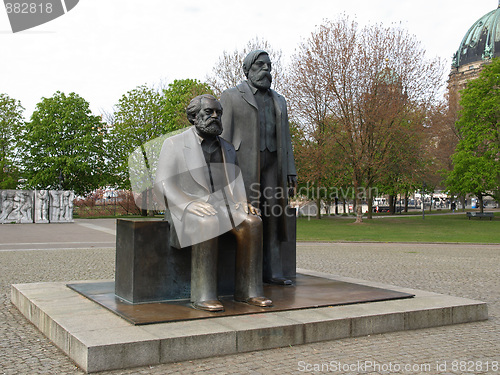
x: 255, y: 121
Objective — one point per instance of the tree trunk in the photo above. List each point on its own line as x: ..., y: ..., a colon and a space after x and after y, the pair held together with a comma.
x: 357, y: 206
x: 359, y: 211
x: 480, y: 202
x: 343, y: 206
x: 462, y: 202
x: 144, y: 205
x: 336, y: 206
x: 151, y: 211
x: 318, y: 206
x: 369, y: 201
x: 391, y: 204
x: 406, y: 201
x: 145, y: 195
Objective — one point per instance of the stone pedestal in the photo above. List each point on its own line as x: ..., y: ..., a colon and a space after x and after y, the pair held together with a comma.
x: 148, y: 269
x: 98, y: 340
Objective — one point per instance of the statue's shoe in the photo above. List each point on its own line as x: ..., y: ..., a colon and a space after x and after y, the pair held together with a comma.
x: 259, y: 301
x: 279, y: 281
x: 211, y: 305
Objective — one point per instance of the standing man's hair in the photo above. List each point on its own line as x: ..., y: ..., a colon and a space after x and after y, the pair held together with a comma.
x: 250, y: 59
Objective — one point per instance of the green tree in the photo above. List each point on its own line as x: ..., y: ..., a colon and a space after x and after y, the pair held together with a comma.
x: 476, y: 174
x: 177, y: 96
x: 63, y: 146
x: 476, y: 167
x: 11, y: 123
x: 137, y: 119
x: 144, y: 114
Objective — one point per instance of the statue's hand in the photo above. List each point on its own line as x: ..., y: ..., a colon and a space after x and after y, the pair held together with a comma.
x: 248, y: 208
x: 253, y: 210
x: 201, y: 209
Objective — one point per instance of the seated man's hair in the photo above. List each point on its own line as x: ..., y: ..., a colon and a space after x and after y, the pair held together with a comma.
x: 194, y: 106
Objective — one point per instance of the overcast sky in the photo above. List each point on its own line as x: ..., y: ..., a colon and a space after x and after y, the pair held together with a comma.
x: 103, y: 48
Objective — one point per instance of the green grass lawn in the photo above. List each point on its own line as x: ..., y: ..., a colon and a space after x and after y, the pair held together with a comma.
x: 439, y: 228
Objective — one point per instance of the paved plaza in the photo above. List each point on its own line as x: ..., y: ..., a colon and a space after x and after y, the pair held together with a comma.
x: 85, y: 250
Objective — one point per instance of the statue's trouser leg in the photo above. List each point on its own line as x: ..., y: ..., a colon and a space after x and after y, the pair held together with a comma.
x: 203, y: 257
x: 271, y: 211
x: 204, y: 271
x: 248, y: 278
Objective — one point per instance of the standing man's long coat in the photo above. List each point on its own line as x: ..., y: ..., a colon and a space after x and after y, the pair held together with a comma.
x: 241, y: 127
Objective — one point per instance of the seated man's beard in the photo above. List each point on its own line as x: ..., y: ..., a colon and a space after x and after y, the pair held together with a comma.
x: 211, y: 127
x: 262, y: 80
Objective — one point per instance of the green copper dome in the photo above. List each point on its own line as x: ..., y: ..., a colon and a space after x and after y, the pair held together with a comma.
x: 482, y: 41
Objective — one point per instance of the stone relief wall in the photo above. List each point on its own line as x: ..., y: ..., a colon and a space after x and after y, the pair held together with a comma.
x: 36, y: 206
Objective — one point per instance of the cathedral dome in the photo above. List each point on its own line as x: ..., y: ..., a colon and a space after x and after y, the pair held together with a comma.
x: 481, y: 42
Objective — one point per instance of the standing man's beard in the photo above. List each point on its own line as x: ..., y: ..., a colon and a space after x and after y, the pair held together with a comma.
x: 261, y: 80
x: 211, y: 127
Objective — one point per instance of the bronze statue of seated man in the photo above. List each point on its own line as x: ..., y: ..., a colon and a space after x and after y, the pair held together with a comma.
x: 199, y: 177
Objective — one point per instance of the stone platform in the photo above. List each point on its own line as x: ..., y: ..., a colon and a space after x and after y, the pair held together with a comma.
x: 97, y: 339
x: 307, y: 292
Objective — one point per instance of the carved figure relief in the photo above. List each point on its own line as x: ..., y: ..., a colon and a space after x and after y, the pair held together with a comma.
x: 42, y: 206
x: 39, y: 206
